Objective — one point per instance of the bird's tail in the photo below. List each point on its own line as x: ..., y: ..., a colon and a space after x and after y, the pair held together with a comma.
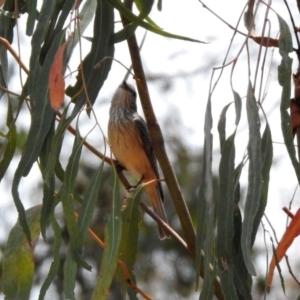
x: 158, y: 207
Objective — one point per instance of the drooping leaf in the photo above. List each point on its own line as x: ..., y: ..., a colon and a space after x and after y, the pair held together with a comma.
x: 65, y: 195
x: 249, y: 16
x: 42, y: 119
x: 49, y: 188
x: 225, y: 225
x: 18, y: 260
x: 254, y: 178
x: 238, y: 107
x: 133, y: 18
x: 267, y: 156
x: 128, y: 30
x: 10, y: 144
x: 32, y: 5
x: 131, y: 217
x: 222, y: 126
x: 112, y: 241
x: 284, y: 79
x: 89, y: 201
x: 54, y: 268
x: 209, y: 242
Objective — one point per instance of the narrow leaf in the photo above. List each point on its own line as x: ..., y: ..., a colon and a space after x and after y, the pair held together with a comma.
x: 209, y: 242
x: 131, y: 218
x: 54, y: 268
x: 238, y: 107
x: 112, y: 241
x: 10, y: 143
x: 254, y: 178
x: 89, y: 201
x: 133, y: 18
x: 284, y: 79
x: 225, y: 225
x: 32, y: 5
x: 267, y: 156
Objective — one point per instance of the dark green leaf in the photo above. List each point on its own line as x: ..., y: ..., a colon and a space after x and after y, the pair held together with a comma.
x: 209, y: 243
x: 225, y: 225
x: 133, y: 18
x: 31, y: 16
x: 88, y: 205
x: 222, y: 126
x: 284, y: 79
x: 10, y: 144
x: 48, y: 188
x: 254, y: 178
x: 54, y: 268
x: 131, y: 218
x: 267, y: 156
x: 113, y: 232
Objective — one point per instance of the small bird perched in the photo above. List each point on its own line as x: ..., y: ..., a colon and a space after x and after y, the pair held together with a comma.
x: 130, y: 144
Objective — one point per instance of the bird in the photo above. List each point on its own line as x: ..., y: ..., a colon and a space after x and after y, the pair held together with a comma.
x: 131, y: 146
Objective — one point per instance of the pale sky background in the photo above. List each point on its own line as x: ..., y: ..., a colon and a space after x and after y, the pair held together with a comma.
x: 188, y: 100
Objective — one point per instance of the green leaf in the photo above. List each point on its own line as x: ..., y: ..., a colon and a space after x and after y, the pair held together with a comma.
x: 225, y: 225
x: 112, y: 242
x: 89, y: 201
x: 18, y: 259
x: 31, y: 17
x: 128, y: 30
x: 254, y: 178
x: 238, y: 107
x: 36, y: 44
x: 48, y: 189
x: 267, y: 156
x: 56, y: 145
x: 222, y: 126
x: 284, y: 79
x: 135, y: 19
x: 131, y: 218
x: 54, y: 268
x: 11, y: 141
x: 42, y: 119
x: 66, y: 197
x: 209, y: 243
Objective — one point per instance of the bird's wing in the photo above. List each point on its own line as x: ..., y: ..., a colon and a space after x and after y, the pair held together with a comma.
x: 142, y: 130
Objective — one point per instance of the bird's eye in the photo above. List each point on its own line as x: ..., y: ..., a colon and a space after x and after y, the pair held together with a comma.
x: 133, y: 93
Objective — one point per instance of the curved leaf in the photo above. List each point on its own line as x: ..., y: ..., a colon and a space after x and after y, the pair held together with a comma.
x: 254, y: 178
x: 112, y: 241
x: 133, y: 18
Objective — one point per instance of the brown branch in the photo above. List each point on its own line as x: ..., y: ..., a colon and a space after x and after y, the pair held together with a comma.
x: 7, y: 45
